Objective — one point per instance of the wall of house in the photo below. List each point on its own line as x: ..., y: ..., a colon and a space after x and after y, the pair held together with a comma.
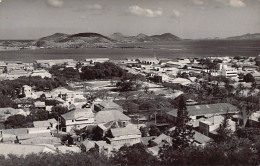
x: 131, y: 141
x: 78, y: 124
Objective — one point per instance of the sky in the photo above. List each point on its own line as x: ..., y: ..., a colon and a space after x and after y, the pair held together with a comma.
x: 189, y: 19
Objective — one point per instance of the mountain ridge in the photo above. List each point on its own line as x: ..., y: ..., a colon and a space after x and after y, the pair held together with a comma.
x: 90, y: 39
x: 248, y: 36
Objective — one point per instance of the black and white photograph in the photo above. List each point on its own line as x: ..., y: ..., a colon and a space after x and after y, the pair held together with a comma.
x: 129, y: 82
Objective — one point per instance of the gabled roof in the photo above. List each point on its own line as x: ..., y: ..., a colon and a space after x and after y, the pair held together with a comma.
x: 39, y: 104
x: 89, y: 144
x: 18, y: 149
x: 162, y: 138
x: 125, y: 131
x: 196, y: 110
x: 201, y: 138
x: 145, y: 140
x: 43, y: 123
x: 9, y: 110
x: 148, y: 59
x: 15, y: 131
x: 110, y: 115
x: 78, y: 114
x: 181, y: 81
x: 107, y: 104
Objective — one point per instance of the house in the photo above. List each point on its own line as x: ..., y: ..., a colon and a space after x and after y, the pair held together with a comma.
x: 41, y: 124
x: 24, y: 102
x: 154, y: 150
x: 149, y: 61
x: 200, y: 139
x: 103, y: 128
x: 41, y: 141
x: 47, y: 124
x: 23, y: 150
x: 228, y: 71
x: 111, y: 115
x: 127, y: 135
x: 40, y: 105
x: 161, y: 139
x: 96, y: 60
x: 78, y: 119
x: 107, y: 105
x: 256, y: 76
x: 209, y: 126
x: 198, y: 111
x: 68, y: 149
x: 146, y: 140
x: 42, y: 73
x: 8, y: 111
x: 88, y: 144
x: 8, y: 138
x: 104, y: 147
x: 50, y: 63
x: 19, y: 131
x: 181, y: 81
x: 27, y: 91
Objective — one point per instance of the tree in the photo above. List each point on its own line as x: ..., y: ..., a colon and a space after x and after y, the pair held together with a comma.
x: 249, y: 78
x: 154, y: 131
x: 70, y: 73
x: 16, y: 121
x: 130, y: 107
x: 224, y: 133
x: 57, y: 111
x: 39, y: 114
x: 133, y: 155
x: 144, y: 131
x: 182, y: 135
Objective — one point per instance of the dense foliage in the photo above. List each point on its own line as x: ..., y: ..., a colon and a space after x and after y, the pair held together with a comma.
x: 12, y: 88
x: 102, y: 71
x: 64, y: 73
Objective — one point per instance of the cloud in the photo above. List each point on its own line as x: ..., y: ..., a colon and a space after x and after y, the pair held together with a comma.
x: 176, y: 14
x: 94, y: 7
x: 237, y: 3
x: 198, y: 2
x: 55, y: 3
x: 145, y: 12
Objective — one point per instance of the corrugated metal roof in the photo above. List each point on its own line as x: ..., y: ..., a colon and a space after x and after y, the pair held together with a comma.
x: 162, y: 138
x: 110, y: 115
x: 125, y: 131
x: 78, y: 113
x: 200, y: 138
x: 219, y: 108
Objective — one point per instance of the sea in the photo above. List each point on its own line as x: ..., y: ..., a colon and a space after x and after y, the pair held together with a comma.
x: 161, y: 50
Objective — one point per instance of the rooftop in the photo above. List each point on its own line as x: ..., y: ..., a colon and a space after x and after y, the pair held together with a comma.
x: 125, y: 131
x: 110, y: 115
x: 200, y: 138
x: 196, y: 110
x: 78, y: 114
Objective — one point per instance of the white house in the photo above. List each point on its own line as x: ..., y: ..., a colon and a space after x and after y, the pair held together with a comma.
x: 127, y: 135
x: 228, y: 71
x: 78, y: 119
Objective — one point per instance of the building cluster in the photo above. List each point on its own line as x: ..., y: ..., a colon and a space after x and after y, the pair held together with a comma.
x: 166, y: 70
x: 10, y: 70
x: 108, y: 123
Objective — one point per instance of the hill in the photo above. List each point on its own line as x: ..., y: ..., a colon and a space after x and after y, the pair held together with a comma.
x: 60, y: 40
x: 144, y: 38
x: 81, y: 40
x: 164, y: 37
x: 254, y: 36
